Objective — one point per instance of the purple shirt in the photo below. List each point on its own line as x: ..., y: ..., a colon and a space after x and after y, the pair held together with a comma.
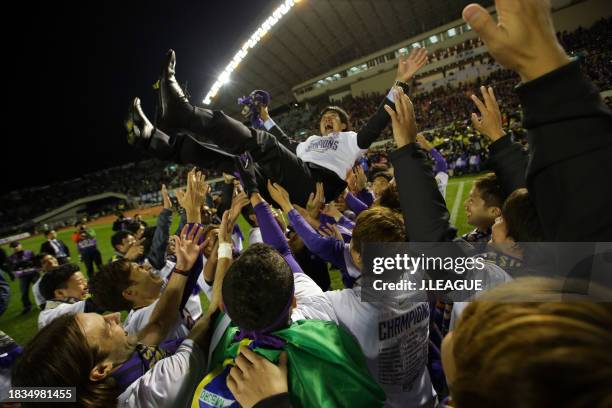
x: 272, y: 235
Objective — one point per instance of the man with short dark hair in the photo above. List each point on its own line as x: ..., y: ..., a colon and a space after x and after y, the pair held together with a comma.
x: 55, y: 247
x: 126, y: 246
x: 22, y: 264
x: 46, y: 262
x: 261, y: 293
x: 482, y: 207
x: 64, y: 289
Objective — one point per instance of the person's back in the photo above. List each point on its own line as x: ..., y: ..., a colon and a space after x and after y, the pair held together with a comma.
x: 327, y: 366
x: 393, y: 336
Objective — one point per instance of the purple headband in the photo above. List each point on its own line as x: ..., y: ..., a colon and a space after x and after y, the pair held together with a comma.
x: 262, y: 336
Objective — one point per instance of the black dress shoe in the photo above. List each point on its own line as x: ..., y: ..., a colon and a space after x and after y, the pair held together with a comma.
x: 139, y: 128
x: 173, y: 108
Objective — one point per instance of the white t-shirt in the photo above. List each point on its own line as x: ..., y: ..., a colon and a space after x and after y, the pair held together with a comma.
x: 170, y: 383
x: 255, y: 236
x: 137, y: 319
x: 491, y: 276
x: 54, y: 309
x: 38, y: 298
x: 393, y: 337
x: 442, y: 181
x: 336, y: 151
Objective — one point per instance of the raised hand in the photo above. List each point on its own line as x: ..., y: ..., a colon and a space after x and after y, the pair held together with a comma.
x: 332, y: 211
x: 192, y: 199
x: 490, y: 121
x: 408, y: 66
x: 332, y: 231
x: 423, y: 142
x: 187, y: 247
x: 135, y: 250
x: 361, y: 180
x: 316, y: 201
x: 280, y: 195
x: 166, y: 198
x: 238, y: 203
x: 225, y: 229
x: 402, y: 119
x: 524, y: 38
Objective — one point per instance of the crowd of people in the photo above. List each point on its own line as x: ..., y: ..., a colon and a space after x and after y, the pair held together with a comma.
x: 443, y: 111
x: 274, y: 333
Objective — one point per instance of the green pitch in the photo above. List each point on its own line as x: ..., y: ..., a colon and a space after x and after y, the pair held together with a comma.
x: 23, y: 328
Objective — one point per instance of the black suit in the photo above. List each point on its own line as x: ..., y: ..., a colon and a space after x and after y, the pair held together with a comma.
x: 47, y: 248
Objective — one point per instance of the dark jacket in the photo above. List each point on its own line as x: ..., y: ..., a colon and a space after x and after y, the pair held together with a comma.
x: 47, y: 248
x: 569, y: 130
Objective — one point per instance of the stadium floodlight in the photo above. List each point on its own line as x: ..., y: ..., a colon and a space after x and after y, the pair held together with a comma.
x: 253, y: 40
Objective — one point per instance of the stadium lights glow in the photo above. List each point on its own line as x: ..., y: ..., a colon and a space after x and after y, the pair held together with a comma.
x: 261, y: 31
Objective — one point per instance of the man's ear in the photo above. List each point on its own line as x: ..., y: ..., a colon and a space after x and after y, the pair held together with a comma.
x: 293, y: 302
x: 495, y: 211
x: 100, y: 371
x: 59, y: 293
x: 343, y: 126
x: 129, y: 294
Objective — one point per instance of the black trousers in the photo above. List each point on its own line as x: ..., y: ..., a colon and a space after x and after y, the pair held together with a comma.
x: 24, y: 287
x: 223, y: 138
x: 91, y: 258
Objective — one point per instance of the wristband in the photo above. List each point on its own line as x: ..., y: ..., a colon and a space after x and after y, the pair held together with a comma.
x: 180, y: 271
x: 225, y: 250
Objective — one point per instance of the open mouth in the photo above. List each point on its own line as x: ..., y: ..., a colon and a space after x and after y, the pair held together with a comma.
x: 329, y: 127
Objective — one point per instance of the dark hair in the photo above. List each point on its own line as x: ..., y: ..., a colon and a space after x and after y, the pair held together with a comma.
x: 48, y: 231
x: 521, y: 217
x: 59, y: 356
x: 246, y: 212
x: 38, y: 259
x: 132, y: 227
x: 107, y: 286
x: 257, y: 287
x: 378, y: 224
x: 344, y: 117
x: 57, y: 278
x: 118, y: 237
x: 490, y: 190
x: 390, y: 198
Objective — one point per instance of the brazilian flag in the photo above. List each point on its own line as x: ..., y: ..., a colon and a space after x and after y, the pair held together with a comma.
x: 326, y: 368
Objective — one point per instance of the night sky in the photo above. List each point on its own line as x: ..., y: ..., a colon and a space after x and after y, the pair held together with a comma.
x: 91, y: 58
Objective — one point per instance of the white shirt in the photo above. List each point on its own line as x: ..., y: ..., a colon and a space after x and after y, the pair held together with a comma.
x: 394, y: 337
x: 55, y: 309
x: 255, y: 236
x: 38, y: 298
x: 336, y: 151
x: 442, y: 181
x: 137, y: 319
x: 170, y: 383
x: 491, y: 276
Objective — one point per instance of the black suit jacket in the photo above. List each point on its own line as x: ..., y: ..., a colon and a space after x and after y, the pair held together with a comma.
x: 46, y: 247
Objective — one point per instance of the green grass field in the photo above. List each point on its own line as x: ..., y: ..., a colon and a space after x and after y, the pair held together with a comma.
x: 22, y: 328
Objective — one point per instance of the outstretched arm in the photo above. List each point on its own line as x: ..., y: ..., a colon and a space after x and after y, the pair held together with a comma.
x: 327, y: 248
x: 426, y: 219
x: 406, y: 69
x: 508, y: 160
x: 165, y: 315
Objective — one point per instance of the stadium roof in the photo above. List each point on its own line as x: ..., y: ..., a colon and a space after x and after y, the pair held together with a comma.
x: 316, y: 36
